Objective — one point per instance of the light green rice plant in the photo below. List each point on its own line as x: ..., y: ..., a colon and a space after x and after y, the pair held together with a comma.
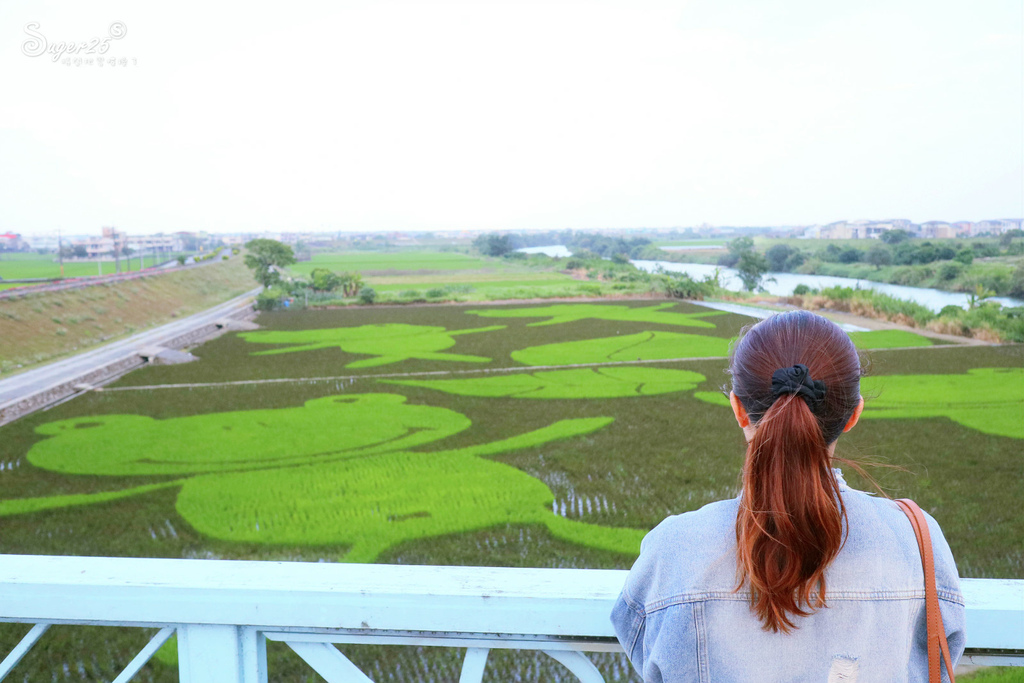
x: 338, y: 470
x: 615, y: 382
x: 641, y: 346
x: 567, y: 313
x: 386, y: 344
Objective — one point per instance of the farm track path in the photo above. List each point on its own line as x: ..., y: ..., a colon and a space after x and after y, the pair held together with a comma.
x: 439, y: 373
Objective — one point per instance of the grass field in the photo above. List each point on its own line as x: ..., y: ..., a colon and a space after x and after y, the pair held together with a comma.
x: 490, y: 460
x: 38, y: 327
x: 402, y: 261
x: 712, y: 242
x: 28, y: 266
x: 412, y: 275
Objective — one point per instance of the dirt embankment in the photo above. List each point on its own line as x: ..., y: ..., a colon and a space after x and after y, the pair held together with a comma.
x: 40, y: 327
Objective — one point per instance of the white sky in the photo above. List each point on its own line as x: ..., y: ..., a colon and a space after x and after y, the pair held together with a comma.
x: 511, y: 115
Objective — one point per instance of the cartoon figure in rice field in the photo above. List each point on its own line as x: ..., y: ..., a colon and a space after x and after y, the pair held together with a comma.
x: 338, y: 470
x: 385, y: 344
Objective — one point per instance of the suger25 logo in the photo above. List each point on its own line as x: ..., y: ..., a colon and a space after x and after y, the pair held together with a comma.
x: 37, y: 44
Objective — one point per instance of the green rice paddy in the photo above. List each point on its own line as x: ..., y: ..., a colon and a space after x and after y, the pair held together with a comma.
x: 618, y: 382
x: 392, y: 261
x: 888, y: 339
x: 640, y: 346
x: 368, y: 434
x: 409, y: 275
x: 568, y: 313
x: 31, y: 266
x: 388, y: 343
x: 989, y: 400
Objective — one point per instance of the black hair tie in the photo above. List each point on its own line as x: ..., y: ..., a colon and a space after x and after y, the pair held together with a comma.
x: 797, y: 380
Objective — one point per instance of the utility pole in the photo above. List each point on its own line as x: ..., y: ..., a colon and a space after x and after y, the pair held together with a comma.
x: 60, y: 253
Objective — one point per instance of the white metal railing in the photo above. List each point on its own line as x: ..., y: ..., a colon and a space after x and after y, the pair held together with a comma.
x: 223, y: 612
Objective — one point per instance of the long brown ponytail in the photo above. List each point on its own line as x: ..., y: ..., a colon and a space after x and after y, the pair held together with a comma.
x: 790, y: 524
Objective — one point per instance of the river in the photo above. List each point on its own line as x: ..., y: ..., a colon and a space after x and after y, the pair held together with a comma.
x: 782, y: 284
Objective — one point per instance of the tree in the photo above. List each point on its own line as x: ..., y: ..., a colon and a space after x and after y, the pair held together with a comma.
x: 493, y: 244
x: 323, y: 280
x: 79, y: 251
x: 778, y: 255
x: 351, y: 283
x: 850, y: 255
x: 1007, y: 237
x: 737, y: 247
x: 978, y: 296
x: 264, y: 257
x: 879, y: 255
x: 752, y: 267
x: 895, y: 236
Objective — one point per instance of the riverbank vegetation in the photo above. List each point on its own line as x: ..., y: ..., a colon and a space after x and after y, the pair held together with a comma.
x: 985, y: 320
x: 423, y: 276
x: 995, y: 264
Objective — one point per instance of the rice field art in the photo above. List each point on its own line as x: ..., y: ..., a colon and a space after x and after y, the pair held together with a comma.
x: 386, y: 344
x: 617, y: 382
x: 647, y: 345
x: 989, y: 400
x: 567, y: 313
x: 558, y: 447
x: 244, y: 476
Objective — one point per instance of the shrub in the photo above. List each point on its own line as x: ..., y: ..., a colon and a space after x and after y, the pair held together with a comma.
x: 801, y: 290
x: 795, y: 260
x: 367, y: 295
x: 269, y: 299
x: 950, y: 271
x: 436, y: 293
x: 851, y: 255
x: 682, y: 286
x: 965, y: 256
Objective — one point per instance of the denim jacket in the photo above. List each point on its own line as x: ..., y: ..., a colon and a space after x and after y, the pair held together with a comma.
x: 679, y: 619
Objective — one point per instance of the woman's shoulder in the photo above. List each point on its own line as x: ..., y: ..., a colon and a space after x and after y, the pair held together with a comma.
x: 689, y: 554
x: 703, y: 525
x: 881, y: 544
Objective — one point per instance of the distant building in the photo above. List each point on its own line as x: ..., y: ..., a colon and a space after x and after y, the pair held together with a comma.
x: 998, y: 226
x: 937, y: 230
x: 149, y: 244
x: 44, y: 242
x: 10, y: 241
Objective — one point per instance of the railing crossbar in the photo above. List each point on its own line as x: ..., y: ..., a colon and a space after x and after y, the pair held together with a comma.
x: 21, y: 649
x: 473, y: 665
x: 139, y: 661
x: 329, y: 662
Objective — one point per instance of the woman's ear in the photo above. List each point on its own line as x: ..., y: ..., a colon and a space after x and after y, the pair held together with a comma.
x: 739, y: 411
x: 856, y: 415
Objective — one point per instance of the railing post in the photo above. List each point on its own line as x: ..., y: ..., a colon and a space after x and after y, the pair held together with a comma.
x: 221, y: 654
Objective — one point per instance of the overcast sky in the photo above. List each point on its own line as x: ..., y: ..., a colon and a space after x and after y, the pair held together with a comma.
x: 510, y: 115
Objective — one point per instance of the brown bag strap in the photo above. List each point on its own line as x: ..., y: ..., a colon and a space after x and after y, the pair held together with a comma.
x: 936, y: 631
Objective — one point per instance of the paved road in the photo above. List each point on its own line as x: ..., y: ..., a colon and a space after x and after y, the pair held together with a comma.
x: 31, y: 381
